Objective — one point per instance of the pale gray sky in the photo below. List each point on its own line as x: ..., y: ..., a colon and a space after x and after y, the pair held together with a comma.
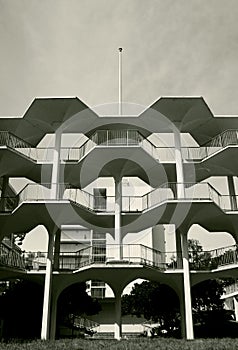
x: 69, y: 48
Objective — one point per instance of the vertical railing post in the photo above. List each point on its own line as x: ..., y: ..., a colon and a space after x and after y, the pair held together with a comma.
x: 232, y: 192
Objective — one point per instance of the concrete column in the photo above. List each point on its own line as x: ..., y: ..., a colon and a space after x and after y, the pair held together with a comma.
x: 179, y: 249
x: 5, y: 182
x: 232, y: 192
x: 118, y: 208
x: 53, y: 316
x: 182, y: 313
x: 179, y: 165
x: 158, y: 243
x: 47, y: 290
x: 118, y: 326
x: 57, y: 249
x: 187, y: 289
x: 55, y: 175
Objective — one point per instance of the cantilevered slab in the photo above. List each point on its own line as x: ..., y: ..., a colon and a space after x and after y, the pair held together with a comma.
x: 44, y: 115
x: 192, y: 115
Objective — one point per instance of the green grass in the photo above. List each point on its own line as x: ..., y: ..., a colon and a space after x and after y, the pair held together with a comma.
x: 135, y: 344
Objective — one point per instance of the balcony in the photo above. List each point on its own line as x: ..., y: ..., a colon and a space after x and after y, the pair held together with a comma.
x: 166, y: 193
x: 120, y: 138
x: 132, y: 254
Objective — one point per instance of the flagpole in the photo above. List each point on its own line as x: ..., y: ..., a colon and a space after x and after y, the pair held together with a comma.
x: 120, y: 81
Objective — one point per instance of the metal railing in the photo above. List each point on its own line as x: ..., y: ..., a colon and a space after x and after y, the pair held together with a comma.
x: 132, y: 254
x: 110, y: 138
x: 230, y: 289
x: 99, y: 254
x: 11, y: 258
x: 166, y: 193
x: 219, y: 142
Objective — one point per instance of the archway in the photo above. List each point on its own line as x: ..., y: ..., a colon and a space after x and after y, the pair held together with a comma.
x: 212, y: 317
x: 151, y: 308
x: 21, y: 303
x: 84, y: 308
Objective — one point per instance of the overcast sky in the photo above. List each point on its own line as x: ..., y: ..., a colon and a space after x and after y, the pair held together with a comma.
x: 69, y: 48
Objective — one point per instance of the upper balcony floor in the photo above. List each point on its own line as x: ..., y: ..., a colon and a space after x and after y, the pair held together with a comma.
x: 188, y: 114
x: 124, y: 151
x: 198, y: 203
x: 140, y: 260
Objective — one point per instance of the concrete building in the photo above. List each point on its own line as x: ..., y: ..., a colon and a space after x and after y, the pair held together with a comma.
x: 105, y: 221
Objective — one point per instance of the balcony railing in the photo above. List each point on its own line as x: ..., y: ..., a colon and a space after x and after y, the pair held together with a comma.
x: 11, y: 258
x: 230, y: 289
x: 131, y: 254
x: 169, y: 192
x: 219, y: 142
x: 117, y: 138
x: 130, y: 138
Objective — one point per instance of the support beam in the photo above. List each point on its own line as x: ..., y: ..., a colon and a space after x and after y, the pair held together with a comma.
x: 118, y: 208
x: 55, y: 193
x: 232, y: 192
x: 55, y: 176
x: 53, y: 317
x: 45, y: 327
x: 179, y: 249
x: 57, y: 250
x: 179, y: 165
x: 118, y: 325
x: 187, y: 289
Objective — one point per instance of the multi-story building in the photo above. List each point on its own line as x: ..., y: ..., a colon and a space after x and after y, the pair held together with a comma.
x: 118, y: 231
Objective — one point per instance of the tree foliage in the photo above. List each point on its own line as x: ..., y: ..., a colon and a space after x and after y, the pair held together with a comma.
x: 21, y: 305
x: 21, y: 309
x: 158, y: 302
x: 153, y: 301
x: 75, y: 300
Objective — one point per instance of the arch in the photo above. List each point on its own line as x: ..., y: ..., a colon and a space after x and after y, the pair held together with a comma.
x: 69, y: 309
x: 210, y: 240
x: 210, y: 316
x: 36, y: 239
x: 21, y: 309
x: 155, y: 305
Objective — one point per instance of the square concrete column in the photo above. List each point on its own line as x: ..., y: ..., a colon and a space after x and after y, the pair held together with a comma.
x: 117, y: 228
x: 45, y: 326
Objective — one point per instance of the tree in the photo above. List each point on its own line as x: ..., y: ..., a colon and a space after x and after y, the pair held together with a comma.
x: 74, y: 301
x: 199, y: 260
x: 21, y: 309
x: 158, y: 302
x: 155, y: 302
x: 21, y: 305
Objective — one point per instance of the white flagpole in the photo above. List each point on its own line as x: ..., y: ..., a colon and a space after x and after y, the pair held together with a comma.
x: 120, y: 82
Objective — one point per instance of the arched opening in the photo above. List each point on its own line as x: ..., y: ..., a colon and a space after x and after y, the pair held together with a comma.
x: 150, y: 308
x: 21, y: 302
x: 210, y: 240
x: 214, y: 308
x: 85, y: 308
x: 36, y: 240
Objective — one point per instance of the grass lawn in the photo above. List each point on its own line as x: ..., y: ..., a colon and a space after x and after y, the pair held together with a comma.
x: 135, y: 344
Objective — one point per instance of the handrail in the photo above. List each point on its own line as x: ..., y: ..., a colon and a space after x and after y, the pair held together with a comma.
x: 122, y: 137
x: 164, y: 193
x: 131, y: 254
